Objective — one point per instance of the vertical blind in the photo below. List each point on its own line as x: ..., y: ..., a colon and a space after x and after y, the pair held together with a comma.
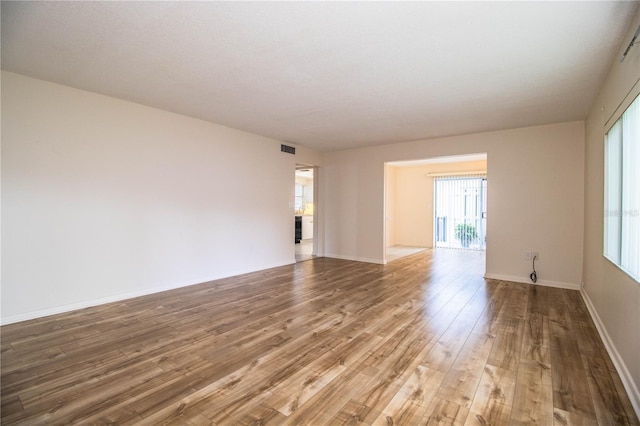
x: 460, y: 211
x: 621, y: 242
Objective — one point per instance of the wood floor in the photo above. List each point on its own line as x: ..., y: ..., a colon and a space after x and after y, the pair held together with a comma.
x: 423, y: 340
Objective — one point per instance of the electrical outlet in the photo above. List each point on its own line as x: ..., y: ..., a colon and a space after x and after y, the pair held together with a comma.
x: 527, y: 255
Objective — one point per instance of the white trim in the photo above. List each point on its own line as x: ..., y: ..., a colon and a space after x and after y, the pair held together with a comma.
x: 86, y: 304
x: 618, y: 362
x: 556, y: 284
x: 356, y: 259
x: 40, y: 313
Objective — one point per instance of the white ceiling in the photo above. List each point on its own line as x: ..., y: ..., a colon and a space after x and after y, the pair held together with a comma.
x: 329, y: 75
x: 306, y: 173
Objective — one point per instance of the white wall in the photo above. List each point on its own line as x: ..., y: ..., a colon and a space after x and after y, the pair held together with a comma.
x: 390, y: 204
x: 535, y: 198
x: 614, y: 296
x: 414, y: 207
x: 104, y: 199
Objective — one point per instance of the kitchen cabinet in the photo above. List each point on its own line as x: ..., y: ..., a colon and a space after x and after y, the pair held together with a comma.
x: 307, y: 227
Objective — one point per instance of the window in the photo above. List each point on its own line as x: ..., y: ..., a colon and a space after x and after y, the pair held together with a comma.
x: 299, y: 201
x: 622, y: 192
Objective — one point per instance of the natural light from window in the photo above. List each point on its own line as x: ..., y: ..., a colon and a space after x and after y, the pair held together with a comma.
x: 622, y: 192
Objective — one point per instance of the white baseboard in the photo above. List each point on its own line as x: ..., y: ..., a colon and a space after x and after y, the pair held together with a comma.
x: 85, y: 304
x: 556, y: 284
x: 109, y: 299
x: 356, y: 259
x: 618, y: 362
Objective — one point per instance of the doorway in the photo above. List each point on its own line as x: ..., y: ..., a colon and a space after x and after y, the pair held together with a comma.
x: 304, y: 212
x: 411, y: 221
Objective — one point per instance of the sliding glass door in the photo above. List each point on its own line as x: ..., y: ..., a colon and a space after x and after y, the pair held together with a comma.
x: 461, y: 212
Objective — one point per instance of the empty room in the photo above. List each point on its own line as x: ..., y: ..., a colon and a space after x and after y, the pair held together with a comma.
x: 320, y: 213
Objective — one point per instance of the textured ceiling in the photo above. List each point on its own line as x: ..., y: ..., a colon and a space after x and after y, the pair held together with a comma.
x: 329, y: 75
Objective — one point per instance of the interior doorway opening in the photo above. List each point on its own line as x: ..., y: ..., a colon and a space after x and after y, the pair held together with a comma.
x: 305, y: 212
x: 411, y: 223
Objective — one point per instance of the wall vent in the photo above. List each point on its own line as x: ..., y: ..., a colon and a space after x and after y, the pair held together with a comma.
x: 288, y: 149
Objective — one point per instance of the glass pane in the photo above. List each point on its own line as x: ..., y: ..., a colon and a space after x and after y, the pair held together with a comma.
x: 460, y: 204
x: 299, y: 198
x: 612, y: 187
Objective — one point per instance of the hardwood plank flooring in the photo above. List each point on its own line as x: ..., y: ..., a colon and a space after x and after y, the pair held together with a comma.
x: 425, y: 340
